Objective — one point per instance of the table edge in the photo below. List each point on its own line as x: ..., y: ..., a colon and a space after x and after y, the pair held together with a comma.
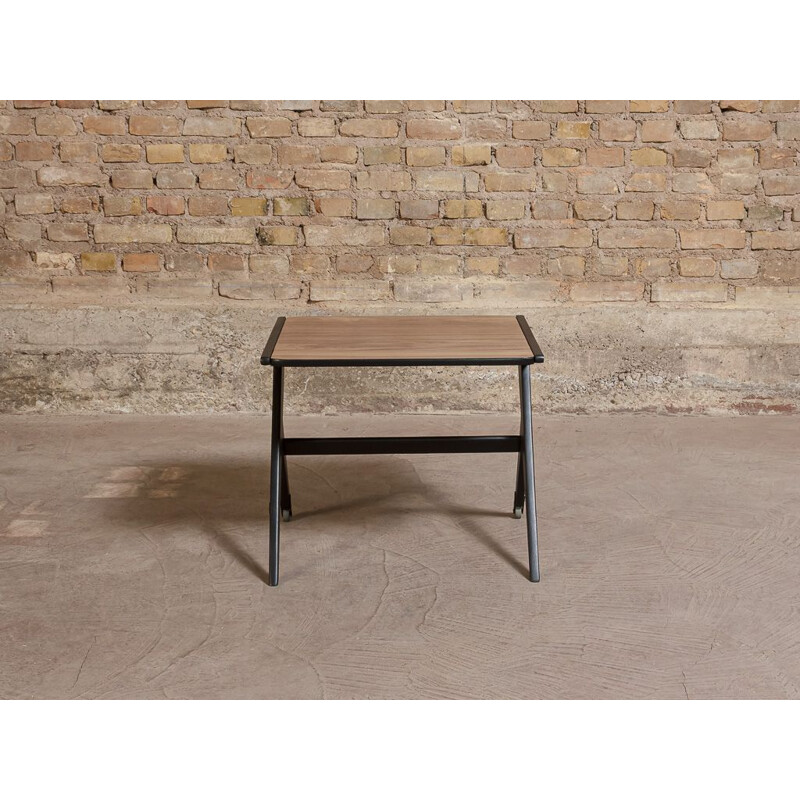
x: 536, y: 357
x: 266, y: 355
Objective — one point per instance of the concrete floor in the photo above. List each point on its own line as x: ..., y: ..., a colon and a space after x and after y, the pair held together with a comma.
x: 133, y: 552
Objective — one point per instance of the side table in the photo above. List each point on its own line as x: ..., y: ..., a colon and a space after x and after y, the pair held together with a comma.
x: 384, y: 341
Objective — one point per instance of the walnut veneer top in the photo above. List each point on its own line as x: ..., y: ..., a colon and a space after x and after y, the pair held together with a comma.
x: 401, y: 340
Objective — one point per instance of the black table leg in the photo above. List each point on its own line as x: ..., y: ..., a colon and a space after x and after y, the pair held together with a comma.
x: 527, y: 452
x: 275, y: 478
x: 286, y: 497
x: 519, y: 489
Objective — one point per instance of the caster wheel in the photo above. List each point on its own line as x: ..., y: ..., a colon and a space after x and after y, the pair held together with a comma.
x: 286, y: 515
x: 517, y: 513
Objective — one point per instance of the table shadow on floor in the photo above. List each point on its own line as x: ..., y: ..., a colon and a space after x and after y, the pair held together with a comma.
x: 214, y: 494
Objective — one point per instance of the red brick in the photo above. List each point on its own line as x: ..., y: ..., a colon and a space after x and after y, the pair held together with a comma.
x: 697, y: 267
x: 25, y: 204
x: 426, y: 105
x: 69, y: 176
x: 154, y: 126
x: 370, y: 128
x: 220, y: 179
x: 165, y: 206
x: 78, y: 152
x: 557, y: 106
x: 748, y: 106
x: 690, y: 157
x: 322, y: 179
x: 550, y: 209
x: 104, y: 126
x: 605, y: 157
x: 606, y: 106
x: 471, y: 155
x: 210, y: 126
x: 334, y: 206
x: 657, y: 130
x: 746, y: 129
x: 122, y: 206
x: 175, y: 179
x: 529, y: 129
x: 433, y: 129
x: 120, y: 153
x: 692, y: 106
x: 33, y: 151
x: 649, y: 106
x: 680, y: 209
x: 647, y: 182
x: 776, y: 240
x: 75, y: 103
x: 22, y: 230
x: 269, y: 127
x: 208, y: 206
x: 553, y: 237
x: 269, y: 179
x: 316, y: 126
x: 141, y: 262
x: 511, y: 157
x: 593, y: 209
x: 15, y: 126
x: 523, y: 265
x: 384, y: 106
x: 419, y: 209
x: 132, y: 179
x: 226, y: 262
x: 253, y: 153
x: 777, y: 158
x: 98, y: 262
x: 486, y: 128
x: 113, y: 233
x: 342, y: 154
x: 165, y: 153
x: 561, y: 157
x: 638, y: 208
x: 15, y: 259
x: 713, y: 239
x: 68, y: 232
x: 617, y: 130
x: 509, y: 181
x: 248, y: 206
x: 637, y: 237
x: 116, y: 105
x: 55, y: 125
x: 573, y: 129
x: 213, y: 153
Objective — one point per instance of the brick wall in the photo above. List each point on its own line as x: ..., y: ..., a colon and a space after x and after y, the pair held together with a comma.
x: 431, y: 205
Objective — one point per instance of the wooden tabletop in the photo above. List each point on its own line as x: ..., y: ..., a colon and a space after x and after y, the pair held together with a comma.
x: 398, y: 341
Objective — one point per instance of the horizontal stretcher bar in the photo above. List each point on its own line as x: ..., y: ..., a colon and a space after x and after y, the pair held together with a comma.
x: 373, y: 445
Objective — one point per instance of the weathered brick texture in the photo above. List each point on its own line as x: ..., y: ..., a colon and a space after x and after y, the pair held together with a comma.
x: 407, y: 202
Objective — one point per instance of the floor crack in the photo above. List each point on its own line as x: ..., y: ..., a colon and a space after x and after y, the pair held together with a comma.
x: 80, y: 668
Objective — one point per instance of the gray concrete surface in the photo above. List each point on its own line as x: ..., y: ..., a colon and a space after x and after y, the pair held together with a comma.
x: 179, y: 358
x: 133, y: 550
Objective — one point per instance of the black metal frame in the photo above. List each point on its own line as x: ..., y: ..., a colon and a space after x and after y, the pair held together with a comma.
x: 280, y: 503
